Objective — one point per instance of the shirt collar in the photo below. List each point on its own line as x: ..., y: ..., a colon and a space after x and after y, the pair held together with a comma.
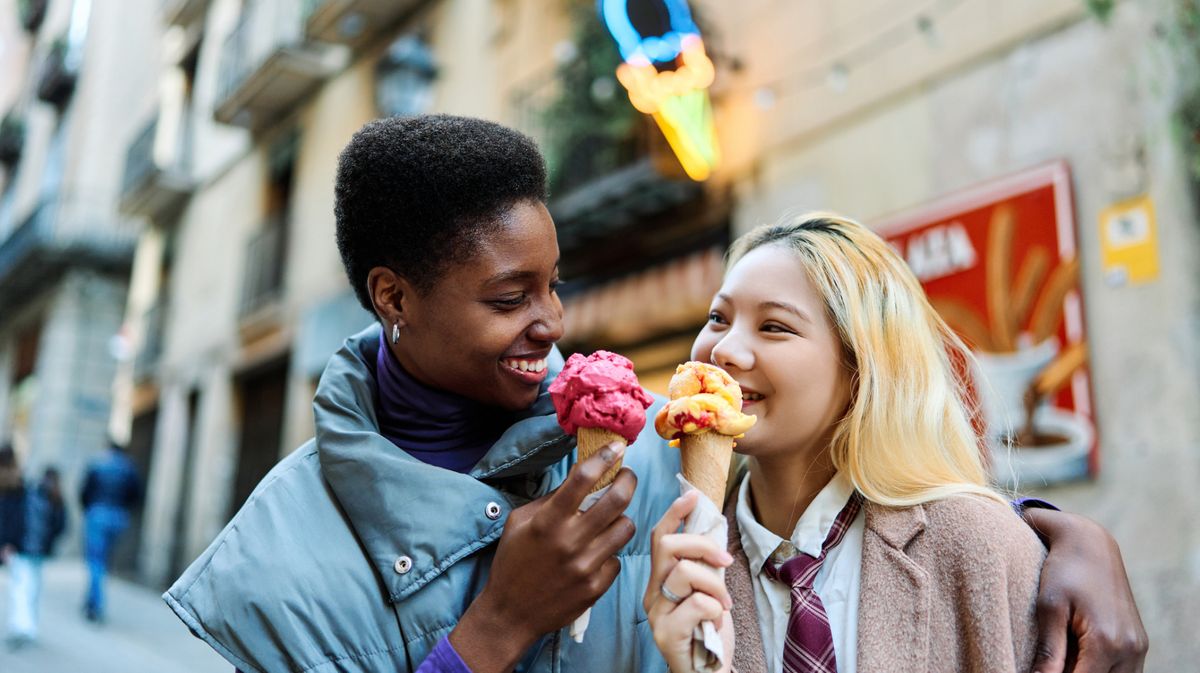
x: 810, y: 531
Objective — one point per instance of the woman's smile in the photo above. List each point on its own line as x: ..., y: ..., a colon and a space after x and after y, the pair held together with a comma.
x: 531, y: 369
x: 750, y: 397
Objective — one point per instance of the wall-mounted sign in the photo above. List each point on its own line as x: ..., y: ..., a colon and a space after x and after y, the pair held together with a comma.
x: 999, y: 262
x: 667, y: 76
x: 1129, y: 242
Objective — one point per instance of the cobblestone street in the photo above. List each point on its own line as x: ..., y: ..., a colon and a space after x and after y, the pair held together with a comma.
x: 141, y: 634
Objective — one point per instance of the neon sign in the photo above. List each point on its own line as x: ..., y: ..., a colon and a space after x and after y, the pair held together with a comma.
x: 676, y: 98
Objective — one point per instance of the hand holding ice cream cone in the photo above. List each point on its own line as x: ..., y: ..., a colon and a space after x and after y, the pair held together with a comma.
x: 704, y: 417
x: 599, y: 400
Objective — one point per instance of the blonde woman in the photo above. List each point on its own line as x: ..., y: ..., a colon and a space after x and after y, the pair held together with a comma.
x: 864, y: 535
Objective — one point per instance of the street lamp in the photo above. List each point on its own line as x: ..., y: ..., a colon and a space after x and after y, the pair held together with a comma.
x: 404, y: 78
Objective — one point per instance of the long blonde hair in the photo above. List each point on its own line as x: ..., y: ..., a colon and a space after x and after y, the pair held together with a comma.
x: 907, y: 436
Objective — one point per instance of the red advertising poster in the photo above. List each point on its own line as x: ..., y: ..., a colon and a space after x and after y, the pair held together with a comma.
x: 999, y: 262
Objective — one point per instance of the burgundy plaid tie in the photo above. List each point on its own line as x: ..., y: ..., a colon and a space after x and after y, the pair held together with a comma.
x: 808, y: 647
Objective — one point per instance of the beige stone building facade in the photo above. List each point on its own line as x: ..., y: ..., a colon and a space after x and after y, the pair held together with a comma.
x: 65, y: 250
x: 231, y: 114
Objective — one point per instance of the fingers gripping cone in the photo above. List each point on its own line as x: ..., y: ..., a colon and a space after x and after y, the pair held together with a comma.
x: 705, y: 416
x: 599, y: 400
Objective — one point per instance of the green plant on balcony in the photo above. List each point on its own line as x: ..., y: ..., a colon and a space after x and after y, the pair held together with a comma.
x: 1179, y: 28
x: 56, y: 80
x: 1101, y: 9
x: 1183, y: 34
x: 590, y: 127
x: 12, y: 139
x: 31, y: 13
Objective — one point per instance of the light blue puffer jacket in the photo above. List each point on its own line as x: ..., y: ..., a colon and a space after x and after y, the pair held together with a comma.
x: 309, y: 575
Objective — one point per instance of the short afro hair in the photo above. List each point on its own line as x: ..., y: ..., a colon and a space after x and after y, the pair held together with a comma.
x: 416, y: 194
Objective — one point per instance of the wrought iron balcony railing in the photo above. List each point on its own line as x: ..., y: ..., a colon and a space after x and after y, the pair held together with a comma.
x: 608, y: 164
x: 265, y: 256
x: 156, y: 180
x: 354, y: 22
x: 150, y: 351
x: 57, y: 235
x: 267, y: 66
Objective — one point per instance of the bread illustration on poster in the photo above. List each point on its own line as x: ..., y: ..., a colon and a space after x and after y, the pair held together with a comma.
x: 1000, y: 264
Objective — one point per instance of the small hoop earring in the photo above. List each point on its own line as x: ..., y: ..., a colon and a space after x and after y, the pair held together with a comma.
x: 395, y: 332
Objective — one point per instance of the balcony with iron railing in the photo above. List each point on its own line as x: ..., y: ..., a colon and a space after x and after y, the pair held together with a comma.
x: 150, y: 351
x: 268, y: 65
x: 262, y: 282
x: 354, y: 22
x: 157, y: 179
x: 608, y: 164
x: 58, y: 235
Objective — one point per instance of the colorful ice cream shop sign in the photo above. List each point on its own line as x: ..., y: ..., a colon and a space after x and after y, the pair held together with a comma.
x: 1000, y: 264
x: 667, y: 76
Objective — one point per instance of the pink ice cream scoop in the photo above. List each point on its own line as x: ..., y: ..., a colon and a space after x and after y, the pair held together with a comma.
x: 600, y: 391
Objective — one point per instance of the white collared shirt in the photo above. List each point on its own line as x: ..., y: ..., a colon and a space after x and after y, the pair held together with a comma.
x: 837, y: 582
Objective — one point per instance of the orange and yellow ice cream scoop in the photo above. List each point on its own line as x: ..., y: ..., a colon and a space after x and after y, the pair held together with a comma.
x: 703, y: 398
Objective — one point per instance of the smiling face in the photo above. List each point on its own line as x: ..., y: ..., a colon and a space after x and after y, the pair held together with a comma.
x: 768, y: 327
x: 485, y: 328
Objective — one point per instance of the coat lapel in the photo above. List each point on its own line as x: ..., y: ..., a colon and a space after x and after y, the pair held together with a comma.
x: 894, y: 595
x: 748, y: 653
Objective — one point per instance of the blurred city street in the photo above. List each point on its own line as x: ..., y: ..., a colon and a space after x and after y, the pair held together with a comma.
x: 141, y: 633
x: 203, y: 203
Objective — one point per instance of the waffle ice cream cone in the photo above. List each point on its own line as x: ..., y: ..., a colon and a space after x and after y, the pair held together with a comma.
x: 590, y: 441
x: 705, y: 457
x: 705, y: 417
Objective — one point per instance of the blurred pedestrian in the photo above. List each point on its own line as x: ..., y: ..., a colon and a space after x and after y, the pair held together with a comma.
x: 12, y: 505
x: 44, y: 520
x: 12, y: 498
x: 111, y: 488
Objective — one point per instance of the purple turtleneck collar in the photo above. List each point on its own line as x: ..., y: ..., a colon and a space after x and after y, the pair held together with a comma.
x: 433, y: 426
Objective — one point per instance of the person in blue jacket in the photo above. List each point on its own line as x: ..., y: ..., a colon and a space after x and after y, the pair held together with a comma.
x: 12, y: 503
x: 45, y: 518
x: 432, y: 523
x: 112, y: 488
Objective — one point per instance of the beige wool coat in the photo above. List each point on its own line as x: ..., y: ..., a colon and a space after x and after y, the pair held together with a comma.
x: 946, y: 586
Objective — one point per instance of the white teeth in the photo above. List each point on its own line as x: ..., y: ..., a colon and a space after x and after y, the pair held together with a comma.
x: 526, y: 365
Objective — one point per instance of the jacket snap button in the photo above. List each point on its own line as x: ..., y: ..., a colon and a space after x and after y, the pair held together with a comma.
x: 492, y: 511
x: 402, y: 565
